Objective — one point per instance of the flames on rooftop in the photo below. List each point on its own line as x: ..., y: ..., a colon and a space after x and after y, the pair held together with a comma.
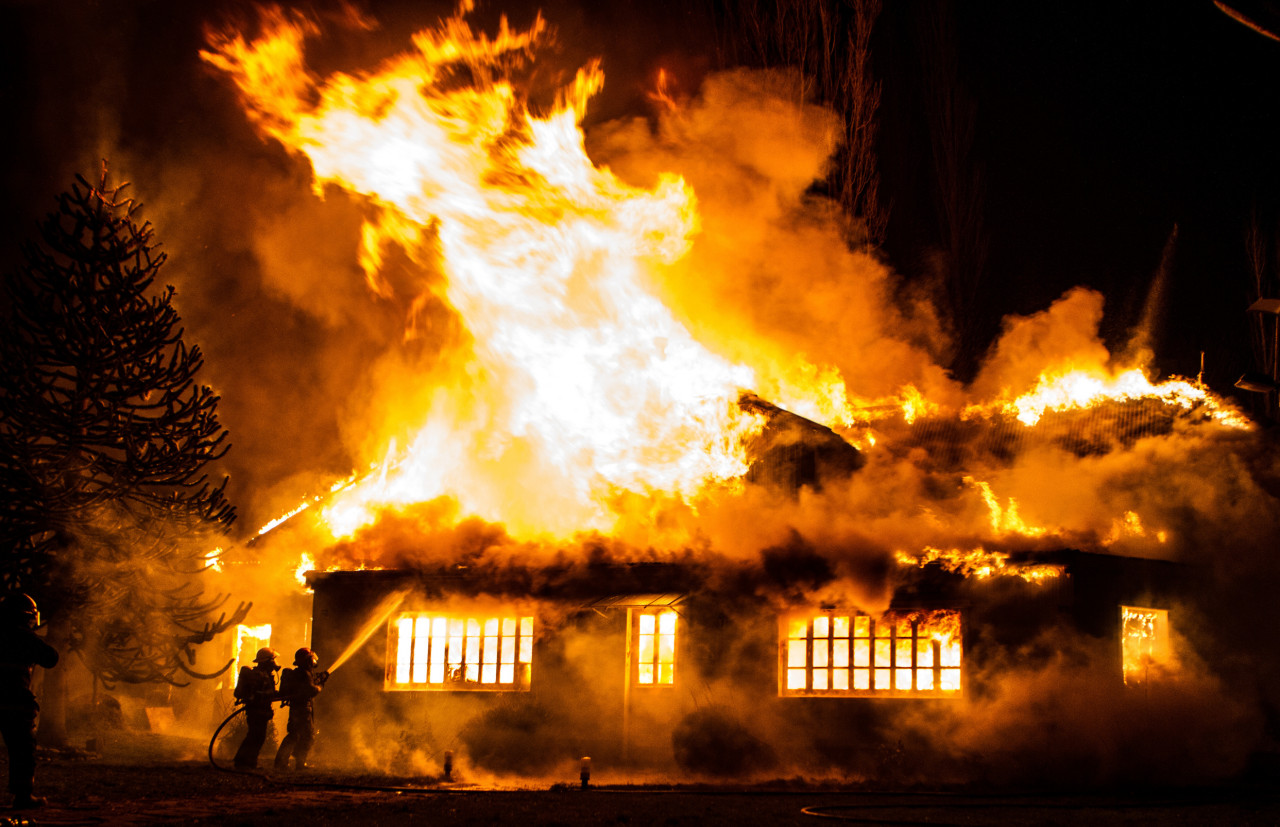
x: 651, y: 345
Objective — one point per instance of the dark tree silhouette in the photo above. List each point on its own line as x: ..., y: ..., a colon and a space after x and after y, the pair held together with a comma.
x: 105, y: 513
x: 960, y: 260
x: 830, y: 43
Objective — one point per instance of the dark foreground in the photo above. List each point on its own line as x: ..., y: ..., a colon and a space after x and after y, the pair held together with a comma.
x: 159, y: 787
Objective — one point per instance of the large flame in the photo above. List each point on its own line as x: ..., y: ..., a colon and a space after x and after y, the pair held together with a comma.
x: 574, y: 383
x: 578, y: 382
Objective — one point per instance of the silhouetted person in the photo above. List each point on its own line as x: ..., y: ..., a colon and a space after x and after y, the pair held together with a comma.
x: 298, y: 688
x: 256, y: 689
x: 20, y: 652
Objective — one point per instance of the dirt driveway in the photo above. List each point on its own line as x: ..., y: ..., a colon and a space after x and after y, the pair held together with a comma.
x: 146, y: 787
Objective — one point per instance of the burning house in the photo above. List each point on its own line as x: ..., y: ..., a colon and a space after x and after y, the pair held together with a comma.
x: 698, y: 667
x: 630, y: 498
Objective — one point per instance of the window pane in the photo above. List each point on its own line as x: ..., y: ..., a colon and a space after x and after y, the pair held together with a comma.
x: 509, y: 649
x: 951, y: 679
x: 797, y: 627
x: 507, y: 673
x: 902, y: 679
x: 862, y: 626
x: 862, y: 679
x: 491, y: 649
x: 821, y: 626
x: 840, y: 653
x: 508, y: 626
x: 404, y: 649
x: 666, y: 673
x: 473, y: 627
x: 646, y: 624
x: 819, y: 679
x: 882, y: 651
x: 903, y: 651
x: 862, y: 653
x: 882, y: 678
x: 796, y: 654
x: 924, y: 680
x: 795, y: 678
x: 840, y: 679
x: 526, y: 627
x: 840, y: 627
x: 667, y: 623
x: 526, y: 648
x: 666, y: 648
x: 421, y: 648
x: 820, y: 653
x: 489, y: 674
x: 646, y: 649
x: 471, y: 672
x: 924, y: 654
x: 646, y: 673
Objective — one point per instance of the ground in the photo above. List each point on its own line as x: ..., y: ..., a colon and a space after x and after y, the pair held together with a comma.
x: 149, y: 781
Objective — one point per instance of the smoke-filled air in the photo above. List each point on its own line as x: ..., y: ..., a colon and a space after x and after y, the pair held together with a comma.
x: 530, y: 342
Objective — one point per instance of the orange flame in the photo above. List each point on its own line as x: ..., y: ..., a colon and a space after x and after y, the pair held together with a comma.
x: 1004, y: 519
x: 978, y: 563
x: 1075, y: 388
x: 579, y: 381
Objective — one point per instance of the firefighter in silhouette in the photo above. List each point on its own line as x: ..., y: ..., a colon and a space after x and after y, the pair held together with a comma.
x: 256, y: 689
x: 20, y: 651
x: 298, y: 688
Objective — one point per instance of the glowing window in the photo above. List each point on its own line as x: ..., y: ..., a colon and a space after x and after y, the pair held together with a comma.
x: 458, y: 653
x: 1144, y: 642
x: 655, y: 647
x: 249, y: 639
x: 844, y: 654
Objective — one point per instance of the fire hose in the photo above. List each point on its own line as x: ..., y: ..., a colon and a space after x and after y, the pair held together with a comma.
x: 214, y: 740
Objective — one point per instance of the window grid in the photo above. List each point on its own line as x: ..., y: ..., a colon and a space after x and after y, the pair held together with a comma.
x: 655, y: 648
x: 448, y: 652
x: 900, y: 654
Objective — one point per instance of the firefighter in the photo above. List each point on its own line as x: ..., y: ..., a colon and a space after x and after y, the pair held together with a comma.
x: 298, y: 688
x: 20, y: 652
x: 256, y: 689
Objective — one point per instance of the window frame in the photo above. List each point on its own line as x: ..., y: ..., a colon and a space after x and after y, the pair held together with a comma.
x: 1156, y: 648
x: 859, y: 647
x: 636, y: 636
x: 474, y: 644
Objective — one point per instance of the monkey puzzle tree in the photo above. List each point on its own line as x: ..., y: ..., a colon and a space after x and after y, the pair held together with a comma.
x: 105, y: 512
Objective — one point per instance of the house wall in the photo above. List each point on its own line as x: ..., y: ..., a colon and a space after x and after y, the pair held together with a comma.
x: 723, y: 717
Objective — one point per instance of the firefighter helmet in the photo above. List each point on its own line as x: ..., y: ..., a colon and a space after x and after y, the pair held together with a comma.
x: 20, y: 606
x: 265, y: 655
x: 305, y: 657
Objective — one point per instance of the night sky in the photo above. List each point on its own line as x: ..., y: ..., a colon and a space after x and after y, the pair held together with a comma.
x: 1100, y: 127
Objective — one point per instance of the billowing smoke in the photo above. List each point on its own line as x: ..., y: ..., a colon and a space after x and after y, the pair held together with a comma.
x: 317, y: 373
